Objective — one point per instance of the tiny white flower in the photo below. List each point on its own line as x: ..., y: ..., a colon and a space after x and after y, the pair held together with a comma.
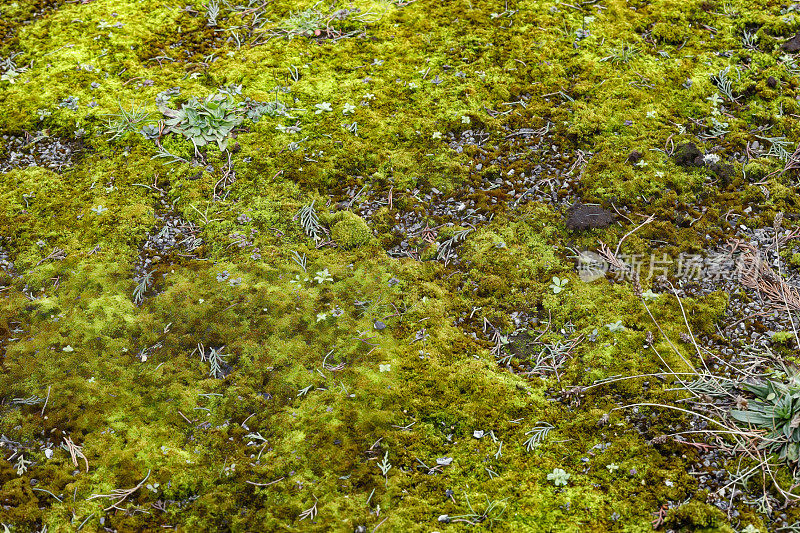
x: 68, y: 348
x: 100, y: 209
x: 651, y: 114
x: 348, y: 108
x: 385, y: 368
x: 436, y: 135
x: 412, y: 85
x: 710, y: 159
x: 465, y: 119
x: 321, y: 316
x: 369, y: 96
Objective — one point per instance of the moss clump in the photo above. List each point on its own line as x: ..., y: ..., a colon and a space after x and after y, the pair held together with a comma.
x: 758, y: 168
x: 697, y: 516
x: 350, y: 230
x: 669, y: 33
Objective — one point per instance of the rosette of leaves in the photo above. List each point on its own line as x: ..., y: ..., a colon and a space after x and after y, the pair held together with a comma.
x: 776, y: 409
x: 204, y: 121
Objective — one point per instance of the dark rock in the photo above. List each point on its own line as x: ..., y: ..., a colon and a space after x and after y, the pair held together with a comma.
x: 688, y: 155
x: 583, y: 217
x: 723, y: 171
x: 634, y: 157
x: 772, y: 82
x: 792, y: 45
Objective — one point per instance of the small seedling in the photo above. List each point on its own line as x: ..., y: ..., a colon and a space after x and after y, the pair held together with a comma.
x: 385, y: 466
x: 558, y: 477
x: 558, y: 284
x: 537, y: 435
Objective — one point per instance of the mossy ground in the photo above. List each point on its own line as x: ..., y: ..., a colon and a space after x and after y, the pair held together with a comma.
x: 313, y: 393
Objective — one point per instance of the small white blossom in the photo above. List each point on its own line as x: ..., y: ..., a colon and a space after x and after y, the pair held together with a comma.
x: 436, y: 135
x: 465, y: 119
x: 348, y: 108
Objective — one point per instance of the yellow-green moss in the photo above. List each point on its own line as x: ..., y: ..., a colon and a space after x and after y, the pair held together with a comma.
x: 349, y: 230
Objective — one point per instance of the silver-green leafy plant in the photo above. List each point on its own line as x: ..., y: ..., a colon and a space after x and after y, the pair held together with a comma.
x: 9, y: 69
x: 212, y: 12
x: 493, y: 511
x: 302, y: 23
x: 776, y: 409
x: 445, y: 250
x: 558, y: 476
x: 724, y: 84
x: 310, y: 222
x: 537, y: 435
x: 385, y: 466
x: 204, y: 121
x: 558, y: 284
x: 144, y: 283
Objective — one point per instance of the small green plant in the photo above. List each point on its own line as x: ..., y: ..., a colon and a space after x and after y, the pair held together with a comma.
x: 9, y: 69
x: 22, y: 465
x: 558, y: 284
x: 310, y: 222
x: 622, y: 54
x: 493, y: 511
x: 127, y: 121
x: 615, y: 327
x: 323, y: 276
x: 204, y: 121
x: 558, y: 476
x: 385, y: 466
x: 776, y: 409
x: 750, y: 40
x: 724, y: 84
x: 212, y: 12
x: 141, y: 288
x: 215, y: 360
x: 537, y: 435
x: 302, y: 23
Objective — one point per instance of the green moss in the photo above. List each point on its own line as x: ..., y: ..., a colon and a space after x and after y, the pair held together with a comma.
x: 349, y: 230
x: 669, y: 32
x: 339, y: 355
x: 697, y: 516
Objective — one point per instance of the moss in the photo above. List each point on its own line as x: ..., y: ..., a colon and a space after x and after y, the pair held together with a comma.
x: 758, y: 169
x: 349, y: 230
x: 697, y: 516
x: 336, y: 357
x: 669, y: 33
